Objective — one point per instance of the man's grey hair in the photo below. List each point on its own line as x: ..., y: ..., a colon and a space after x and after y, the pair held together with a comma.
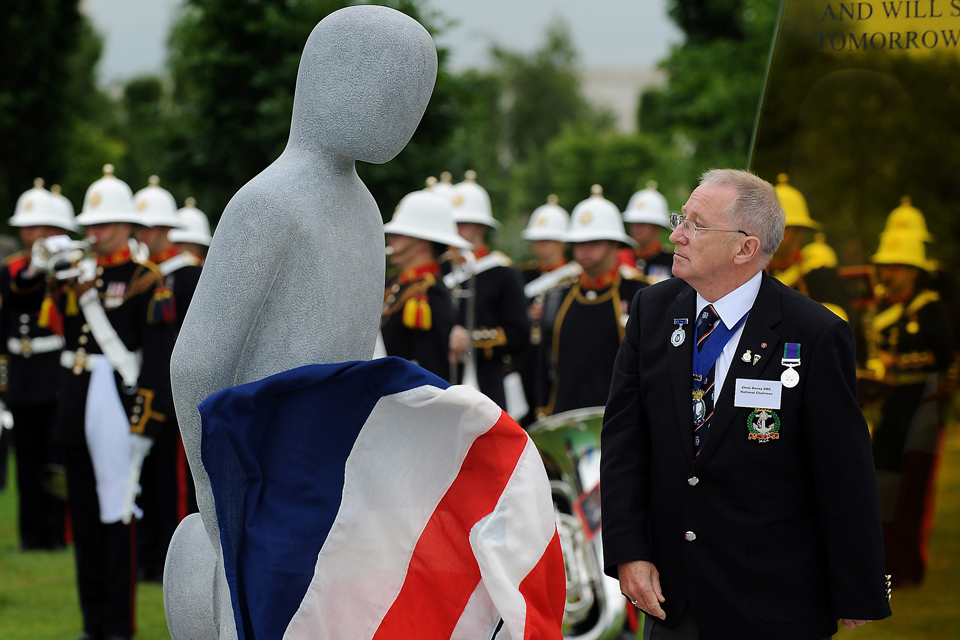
x: 756, y: 209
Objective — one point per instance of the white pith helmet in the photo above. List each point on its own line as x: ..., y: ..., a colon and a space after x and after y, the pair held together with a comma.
x: 156, y: 205
x: 444, y: 186
x: 426, y: 216
x: 648, y: 206
x: 39, y: 207
x: 596, y: 218
x: 547, y: 222
x: 471, y: 203
x: 107, y: 200
x: 194, y: 226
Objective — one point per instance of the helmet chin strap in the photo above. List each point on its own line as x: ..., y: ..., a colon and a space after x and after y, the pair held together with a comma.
x: 406, y: 249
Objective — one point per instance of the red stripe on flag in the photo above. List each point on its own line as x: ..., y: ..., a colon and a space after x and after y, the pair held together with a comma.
x: 443, y: 573
x: 545, y: 591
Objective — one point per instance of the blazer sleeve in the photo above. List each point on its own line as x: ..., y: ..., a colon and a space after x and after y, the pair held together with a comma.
x: 625, y: 457
x: 845, y: 486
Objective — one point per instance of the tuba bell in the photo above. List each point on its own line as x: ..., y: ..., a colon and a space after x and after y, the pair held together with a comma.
x: 569, y: 444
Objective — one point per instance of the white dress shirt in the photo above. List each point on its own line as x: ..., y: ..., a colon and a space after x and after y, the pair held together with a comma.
x: 730, y: 308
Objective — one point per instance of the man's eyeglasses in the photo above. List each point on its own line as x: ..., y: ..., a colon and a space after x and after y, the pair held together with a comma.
x: 690, y: 227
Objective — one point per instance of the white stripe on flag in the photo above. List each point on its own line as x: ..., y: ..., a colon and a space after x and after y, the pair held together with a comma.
x: 405, y: 458
x: 474, y: 623
x: 510, y: 541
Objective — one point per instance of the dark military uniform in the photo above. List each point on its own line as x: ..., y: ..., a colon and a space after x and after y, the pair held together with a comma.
x: 29, y: 366
x: 139, y: 309
x: 417, y: 318
x: 528, y: 362
x: 501, y: 328
x: 656, y: 263
x: 583, y: 325
x: 907, y: 439
x: 168, y: 493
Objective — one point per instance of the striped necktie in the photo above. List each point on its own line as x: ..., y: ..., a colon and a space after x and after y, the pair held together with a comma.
x: 703, y: 391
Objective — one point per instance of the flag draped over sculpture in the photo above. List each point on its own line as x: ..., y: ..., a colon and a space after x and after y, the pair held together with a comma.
x: 373, y: 500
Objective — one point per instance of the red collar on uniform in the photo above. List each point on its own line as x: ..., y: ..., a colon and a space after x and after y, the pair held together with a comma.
x: 115, y: 258
x: 481, y: 251
x: 654, y: 248
x: 780, y: 263
x: 415, y: 273
x: 164, y: 255
x: 601, y: 282
x: 545, y: 268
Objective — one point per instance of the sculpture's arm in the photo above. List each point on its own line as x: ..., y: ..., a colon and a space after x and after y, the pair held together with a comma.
x: 244, y: 259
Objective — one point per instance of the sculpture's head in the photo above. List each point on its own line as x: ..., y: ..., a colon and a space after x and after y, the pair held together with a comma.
x: 365, y: 79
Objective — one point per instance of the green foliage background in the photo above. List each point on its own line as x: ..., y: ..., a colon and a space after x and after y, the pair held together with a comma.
x: 221, y: 111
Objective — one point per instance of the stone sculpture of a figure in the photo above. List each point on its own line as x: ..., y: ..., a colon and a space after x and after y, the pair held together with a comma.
x: 294, y: 275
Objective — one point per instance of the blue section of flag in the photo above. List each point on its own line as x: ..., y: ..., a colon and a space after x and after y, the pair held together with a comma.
x: 275, y: 451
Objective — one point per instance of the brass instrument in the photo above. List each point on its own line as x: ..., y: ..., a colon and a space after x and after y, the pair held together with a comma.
x: 60, y: 255
x: 569, y: 444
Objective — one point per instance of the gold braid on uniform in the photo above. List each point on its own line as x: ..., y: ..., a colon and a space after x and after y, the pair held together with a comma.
x: 141, y: 282
x: 418, y: 287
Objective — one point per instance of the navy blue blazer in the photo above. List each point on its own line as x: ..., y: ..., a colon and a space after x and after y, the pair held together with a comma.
x: 761, y: 539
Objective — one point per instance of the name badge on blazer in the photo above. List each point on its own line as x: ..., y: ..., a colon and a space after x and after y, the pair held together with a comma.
x: 757, y: 393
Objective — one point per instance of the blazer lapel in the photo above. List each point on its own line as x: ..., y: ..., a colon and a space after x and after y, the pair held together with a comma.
x: 757, y: 331
x: 681, y: 366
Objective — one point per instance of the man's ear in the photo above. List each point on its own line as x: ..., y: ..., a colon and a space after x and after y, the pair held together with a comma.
x: 749, y: 249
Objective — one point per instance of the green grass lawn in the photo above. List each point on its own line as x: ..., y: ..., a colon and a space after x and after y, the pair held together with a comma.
x: 38, y: 599
x: 38, y: 592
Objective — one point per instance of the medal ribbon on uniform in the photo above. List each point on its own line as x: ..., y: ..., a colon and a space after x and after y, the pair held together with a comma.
x: 791, y: 354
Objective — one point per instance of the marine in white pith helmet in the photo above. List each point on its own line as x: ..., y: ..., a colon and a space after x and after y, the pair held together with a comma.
x: 158, y: 211
x: 646, y: 216
x: 194, y: 230
x: 582, y: 321
x: 418, y: 313
x: 545, y: 230
x: 39, y: 207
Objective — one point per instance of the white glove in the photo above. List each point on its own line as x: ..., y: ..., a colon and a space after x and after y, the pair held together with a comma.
x: 139, y: 447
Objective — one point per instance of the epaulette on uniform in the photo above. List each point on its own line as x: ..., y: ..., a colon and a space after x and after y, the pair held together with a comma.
x: 16, y: 261
x: 631, y: 273
x: 502, y: 258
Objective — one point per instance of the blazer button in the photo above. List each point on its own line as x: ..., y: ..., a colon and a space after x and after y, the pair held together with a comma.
x: 693, y: 481
x: 689, y: 536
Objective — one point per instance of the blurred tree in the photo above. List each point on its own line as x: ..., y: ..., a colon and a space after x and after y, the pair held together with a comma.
x: 234, y: 67
x: 48, y: 98
x: 709, y: 105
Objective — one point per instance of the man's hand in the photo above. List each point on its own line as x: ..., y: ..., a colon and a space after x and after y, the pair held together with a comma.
x: 459, y: 342
x: 535, y: 312
x: 853, y: 624
x: 640, y: 582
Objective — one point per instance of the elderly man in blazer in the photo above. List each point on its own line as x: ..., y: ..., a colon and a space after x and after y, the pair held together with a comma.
x: 739, y: 499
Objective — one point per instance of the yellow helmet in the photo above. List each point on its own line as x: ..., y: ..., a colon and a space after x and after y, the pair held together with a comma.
x: 906, y: 217
x: 818, y: 254
x: 901, y: 246
x: 794, y: 205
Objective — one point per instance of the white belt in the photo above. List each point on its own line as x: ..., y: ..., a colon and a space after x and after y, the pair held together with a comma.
x: 28, y: 346
x: 77, y: 361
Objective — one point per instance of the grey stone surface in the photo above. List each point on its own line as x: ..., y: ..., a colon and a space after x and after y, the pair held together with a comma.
x: 294, y: 275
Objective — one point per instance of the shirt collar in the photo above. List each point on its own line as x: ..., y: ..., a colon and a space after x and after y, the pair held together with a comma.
x: 732, y: 306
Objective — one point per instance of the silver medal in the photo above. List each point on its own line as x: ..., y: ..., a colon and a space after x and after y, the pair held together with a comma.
x: 677, y: 337
x: 790, y: 378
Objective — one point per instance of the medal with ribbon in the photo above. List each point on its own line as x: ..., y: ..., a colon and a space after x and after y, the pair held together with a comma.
x: 678, y: 335
x: 791, y: 358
